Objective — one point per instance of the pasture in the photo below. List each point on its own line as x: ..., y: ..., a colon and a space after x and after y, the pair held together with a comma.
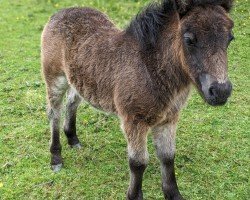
x: 212, y: 142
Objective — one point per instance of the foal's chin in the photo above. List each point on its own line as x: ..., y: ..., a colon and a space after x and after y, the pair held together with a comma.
x: 213, y: 102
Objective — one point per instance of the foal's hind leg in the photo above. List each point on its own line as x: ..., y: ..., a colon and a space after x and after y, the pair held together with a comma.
x: 56, y: 89
x: 164, y: 139
x: 73, y: 101
x: 136, y: 134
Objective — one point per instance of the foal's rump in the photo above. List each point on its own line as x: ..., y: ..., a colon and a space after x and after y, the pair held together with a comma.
x: 75, y: 25
x: 71, y: 27
x: 75, y: 46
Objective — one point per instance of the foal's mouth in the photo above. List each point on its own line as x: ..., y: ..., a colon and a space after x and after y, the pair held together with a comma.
x: 213, y: 92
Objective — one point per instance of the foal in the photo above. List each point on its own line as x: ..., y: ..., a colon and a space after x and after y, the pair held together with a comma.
x: 142, y: 74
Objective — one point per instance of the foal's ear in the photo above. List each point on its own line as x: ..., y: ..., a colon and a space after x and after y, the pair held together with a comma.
x: 183, y: 6
x: 227, y: 4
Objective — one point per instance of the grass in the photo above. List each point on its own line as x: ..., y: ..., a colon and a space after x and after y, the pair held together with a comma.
x: 212, y: 145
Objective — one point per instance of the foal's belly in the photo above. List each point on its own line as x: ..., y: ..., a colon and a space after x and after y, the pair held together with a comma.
x: 95, y: 94
x: 104, y: 104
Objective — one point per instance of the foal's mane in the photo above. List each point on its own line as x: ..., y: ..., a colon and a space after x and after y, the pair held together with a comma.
x: 147, y: 25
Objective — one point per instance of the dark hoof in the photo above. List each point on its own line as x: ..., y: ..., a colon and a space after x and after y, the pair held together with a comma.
x: 135, y: 197
x: 176, y: 197
x: 56, y: 168
x: 76, y: 146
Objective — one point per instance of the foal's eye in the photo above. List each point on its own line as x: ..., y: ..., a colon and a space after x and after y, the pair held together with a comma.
x: 189, y: 39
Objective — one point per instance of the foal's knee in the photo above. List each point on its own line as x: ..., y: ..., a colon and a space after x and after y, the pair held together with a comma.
x: 138, y: 155
x: 136, y: 166
x: 164, y: 140
x: 138, y: 161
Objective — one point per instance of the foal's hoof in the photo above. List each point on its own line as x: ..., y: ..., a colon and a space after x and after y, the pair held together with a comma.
x: 139, y: 196
x: 76, y: 146
x: 56, y: 168
x: 176, y: 197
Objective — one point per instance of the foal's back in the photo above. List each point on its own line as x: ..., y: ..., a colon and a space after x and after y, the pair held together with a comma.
x: 80, y: 23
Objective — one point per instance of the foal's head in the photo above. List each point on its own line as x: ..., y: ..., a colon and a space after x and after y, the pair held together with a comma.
x: 206, y: 30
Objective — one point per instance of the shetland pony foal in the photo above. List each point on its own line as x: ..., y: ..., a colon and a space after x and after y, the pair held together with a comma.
x: 142, y: 74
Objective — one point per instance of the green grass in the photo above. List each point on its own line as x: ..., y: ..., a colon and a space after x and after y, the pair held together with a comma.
x: 212, y: 144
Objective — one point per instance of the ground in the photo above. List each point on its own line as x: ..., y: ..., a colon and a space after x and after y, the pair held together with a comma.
x: 212, y: 160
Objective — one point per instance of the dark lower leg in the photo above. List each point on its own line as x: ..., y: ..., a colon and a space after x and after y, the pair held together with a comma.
x: 169, y: 185
x: 70, y: 129
x: 70, y: 119
x: 136, y: 174
x: 55, y: 148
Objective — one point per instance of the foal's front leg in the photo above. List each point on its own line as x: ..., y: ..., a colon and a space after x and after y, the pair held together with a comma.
x: 164, y: 139
x: 136, y: 134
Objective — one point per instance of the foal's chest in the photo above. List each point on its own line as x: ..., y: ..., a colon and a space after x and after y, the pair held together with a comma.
x: 174, y: 106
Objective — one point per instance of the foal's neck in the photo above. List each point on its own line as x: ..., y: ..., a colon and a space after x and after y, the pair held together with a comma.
x: 165, y: 63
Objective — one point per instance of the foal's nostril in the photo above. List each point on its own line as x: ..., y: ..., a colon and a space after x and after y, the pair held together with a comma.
x: 212, y: 91
x: 218, y: 93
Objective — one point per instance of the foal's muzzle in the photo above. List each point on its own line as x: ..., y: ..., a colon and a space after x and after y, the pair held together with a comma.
x: 215, y: 93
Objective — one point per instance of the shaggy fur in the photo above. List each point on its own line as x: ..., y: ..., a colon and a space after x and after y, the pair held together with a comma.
x: 148, y: 24
x: 142, y: 74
